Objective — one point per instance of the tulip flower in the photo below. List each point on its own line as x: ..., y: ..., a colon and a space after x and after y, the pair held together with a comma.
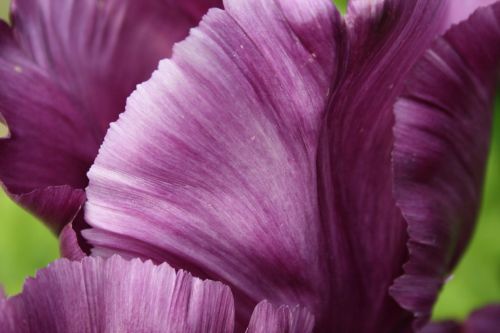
x: 304, y: 158
x: 326, y: 169
x: 67, y: 68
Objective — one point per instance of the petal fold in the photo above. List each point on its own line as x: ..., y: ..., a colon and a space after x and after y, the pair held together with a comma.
x: 115, y: 295
x: 365, y: 230
x: 442, y: 137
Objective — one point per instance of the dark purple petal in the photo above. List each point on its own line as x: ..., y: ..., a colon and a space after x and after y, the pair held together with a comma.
x: 485, y: 320
x: 442, y: 327
x: 212, y: 166
x: 366, y: 232
x: 454, y: 11
x: 68, y: 244
x: 67, y: 69
x: 267, y: 318
x: 55, y: 205
x: 114, y: 295
x: 442, y: 136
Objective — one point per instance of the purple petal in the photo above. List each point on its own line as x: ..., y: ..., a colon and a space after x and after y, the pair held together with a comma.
x: 239, y: 128
x: 68, y: 244
x: 56, y: 205
x: 461, y: 10
x: 454, y: 11
x: 365, y: 229
x: 442, y: 135
x: 114, y: 295
x: 442, y: 327
x: 212, y: 166
x: 284, y: 319
x: 67, y: 69
x: 485, y: 320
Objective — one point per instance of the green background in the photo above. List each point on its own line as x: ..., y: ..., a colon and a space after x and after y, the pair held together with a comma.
x: 25, y: 245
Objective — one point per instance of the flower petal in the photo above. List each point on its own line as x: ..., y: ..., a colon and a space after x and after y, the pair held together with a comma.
x: 68, y: 244
x: 67, y: 69
x: 365, y: 229
x: 284, y: 319
x: 442, y: 136
x: 114, y: 295
x: 461, y: 10
x: 56, y: 205
x: 454, y: 11
x: 212, y: 166
x: 485, y: 320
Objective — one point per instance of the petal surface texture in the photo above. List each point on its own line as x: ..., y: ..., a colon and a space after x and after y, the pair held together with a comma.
x: 267, y: 318
x: 260, y: 156
x: 442, y: 137
x: 67, y: 69
x: 115, y: 295
x: 365, y: 229
x: 212, y: 166
x: 485, y: 320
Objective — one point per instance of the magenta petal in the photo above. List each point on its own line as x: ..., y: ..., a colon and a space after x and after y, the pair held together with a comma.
x: 485, y: 320
x: 66, y: 72
x: 441, y: 144
x: 114, y: 295
x: 212, y: 166
x: 267, y: 318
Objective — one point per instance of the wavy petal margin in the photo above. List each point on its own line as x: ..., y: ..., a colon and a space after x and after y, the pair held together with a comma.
x: 115, y: 295
x: 442, y: 136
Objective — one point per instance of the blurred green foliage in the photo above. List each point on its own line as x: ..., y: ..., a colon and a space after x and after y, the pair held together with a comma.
x: 26, y: 245
x: 4, y: 5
